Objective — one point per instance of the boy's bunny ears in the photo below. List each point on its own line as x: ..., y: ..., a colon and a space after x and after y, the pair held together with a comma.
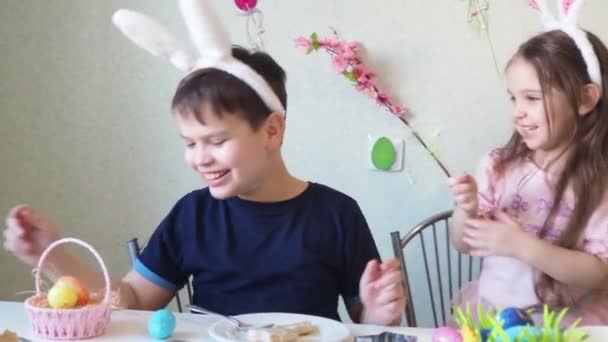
x: 567, y: 22
x: 209, y: 37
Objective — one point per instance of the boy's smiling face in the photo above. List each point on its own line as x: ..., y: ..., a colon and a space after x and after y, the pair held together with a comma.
x: 226, y: 152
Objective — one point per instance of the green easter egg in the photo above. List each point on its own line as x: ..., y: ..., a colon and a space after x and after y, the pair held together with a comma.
x: 383, y: 154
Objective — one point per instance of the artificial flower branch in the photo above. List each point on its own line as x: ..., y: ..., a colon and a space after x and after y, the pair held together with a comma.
x: 347, y: 61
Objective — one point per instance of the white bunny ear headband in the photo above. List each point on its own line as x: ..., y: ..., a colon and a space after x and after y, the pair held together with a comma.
x: 209, y: 37
x: 567, y: 22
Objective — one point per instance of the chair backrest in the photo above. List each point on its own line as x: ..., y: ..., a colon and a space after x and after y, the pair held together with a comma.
x: 437, y: 254
x: 134, y: 249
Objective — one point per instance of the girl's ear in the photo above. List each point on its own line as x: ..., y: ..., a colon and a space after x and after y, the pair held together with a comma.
x: 590, y: 97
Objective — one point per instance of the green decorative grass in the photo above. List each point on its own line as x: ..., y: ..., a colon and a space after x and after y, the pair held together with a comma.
x: 549, y: 332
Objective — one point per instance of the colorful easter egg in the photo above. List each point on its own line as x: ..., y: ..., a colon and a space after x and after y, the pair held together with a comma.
x: 521, y: 333
x: 512, y: 317
x: 162, y: 324
x: 62, y: 296
x: 468, y: 335
x: 82, y: 291
x: 446, y: 334
x: 485, y: 333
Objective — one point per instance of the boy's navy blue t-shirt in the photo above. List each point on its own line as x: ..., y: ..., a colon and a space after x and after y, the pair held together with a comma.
x: 294, y: 256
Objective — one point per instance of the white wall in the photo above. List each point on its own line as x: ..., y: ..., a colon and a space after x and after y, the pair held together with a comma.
x: 87, y: 136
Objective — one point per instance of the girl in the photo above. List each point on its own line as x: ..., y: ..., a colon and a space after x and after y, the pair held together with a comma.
x: 538, y: 209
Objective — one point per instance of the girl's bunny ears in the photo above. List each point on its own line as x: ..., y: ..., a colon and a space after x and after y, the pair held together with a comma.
x: 209, y: 37
x: 567, y: 22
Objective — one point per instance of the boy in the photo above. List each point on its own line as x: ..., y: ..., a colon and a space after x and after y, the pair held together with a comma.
x: 256, y: 239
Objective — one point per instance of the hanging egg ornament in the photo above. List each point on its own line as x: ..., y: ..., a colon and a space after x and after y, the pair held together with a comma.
x: 246, y: 5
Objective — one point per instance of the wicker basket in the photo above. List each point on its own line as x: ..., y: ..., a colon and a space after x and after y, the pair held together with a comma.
x: 69, y: 324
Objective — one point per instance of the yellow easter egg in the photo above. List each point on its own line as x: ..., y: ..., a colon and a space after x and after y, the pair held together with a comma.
x: 62, y: 296
x: 467, y: 334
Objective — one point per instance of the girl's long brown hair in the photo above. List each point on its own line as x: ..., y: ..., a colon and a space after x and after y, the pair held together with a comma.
x: 560, y: 66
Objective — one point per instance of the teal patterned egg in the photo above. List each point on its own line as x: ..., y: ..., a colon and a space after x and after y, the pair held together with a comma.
x: 521, y: 333
x: 161, y: 324
x: 383, y: 154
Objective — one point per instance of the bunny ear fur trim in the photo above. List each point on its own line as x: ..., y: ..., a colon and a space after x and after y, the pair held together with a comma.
x: 209, y: 37
x: 569, y: 11
x: 152, y: 37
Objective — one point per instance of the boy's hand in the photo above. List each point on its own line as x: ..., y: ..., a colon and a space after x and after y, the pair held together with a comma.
x: 464, y: 191
x: 28, y: 234
x: 381, y: 293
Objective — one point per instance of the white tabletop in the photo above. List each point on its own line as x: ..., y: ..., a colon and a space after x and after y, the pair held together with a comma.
x: 131, y: 325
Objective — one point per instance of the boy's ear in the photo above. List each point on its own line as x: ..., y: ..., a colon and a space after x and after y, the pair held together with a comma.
x: 274, y: 130
x: 590, y: 97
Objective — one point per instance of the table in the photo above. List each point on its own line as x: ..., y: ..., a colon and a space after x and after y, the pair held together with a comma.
x: 131, y: 325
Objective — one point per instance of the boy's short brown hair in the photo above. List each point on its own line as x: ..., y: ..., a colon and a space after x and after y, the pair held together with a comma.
x: 224, y: 93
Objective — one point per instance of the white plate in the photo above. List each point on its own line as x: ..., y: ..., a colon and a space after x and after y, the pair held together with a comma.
x: 327, y: 330
x: 596, y: 333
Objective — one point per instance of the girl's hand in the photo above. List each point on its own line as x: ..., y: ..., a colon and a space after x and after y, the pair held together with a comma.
x: 502, y: 236
x: 464, y: 192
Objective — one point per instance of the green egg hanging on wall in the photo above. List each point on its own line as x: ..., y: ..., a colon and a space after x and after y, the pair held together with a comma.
x: 383, y: 154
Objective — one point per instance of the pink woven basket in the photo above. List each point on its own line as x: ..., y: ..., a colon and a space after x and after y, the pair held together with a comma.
x: 69, y: 324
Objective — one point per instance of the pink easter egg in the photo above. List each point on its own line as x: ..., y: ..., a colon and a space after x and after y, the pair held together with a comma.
x: 446, y: 334
x: 246, y: 5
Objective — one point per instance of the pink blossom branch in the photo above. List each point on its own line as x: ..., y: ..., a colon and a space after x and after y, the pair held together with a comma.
x: 346, y: 61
